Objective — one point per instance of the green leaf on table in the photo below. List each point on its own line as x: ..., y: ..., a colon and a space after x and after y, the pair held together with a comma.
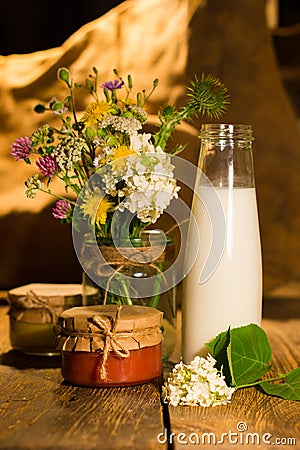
x: 249, y: 354
x: 288, y: 390
x: 218, y: 350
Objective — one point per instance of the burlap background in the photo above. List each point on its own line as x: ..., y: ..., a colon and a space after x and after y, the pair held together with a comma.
x: 171, y: 40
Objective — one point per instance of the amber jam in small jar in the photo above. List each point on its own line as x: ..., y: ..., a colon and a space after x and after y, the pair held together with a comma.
x: 110, y: 345
x: 33, y: 313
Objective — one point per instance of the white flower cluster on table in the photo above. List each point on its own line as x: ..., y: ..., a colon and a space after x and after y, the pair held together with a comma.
x: 199, y: 383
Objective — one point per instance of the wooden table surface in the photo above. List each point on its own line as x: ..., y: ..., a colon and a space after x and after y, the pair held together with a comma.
x: 38, y: 410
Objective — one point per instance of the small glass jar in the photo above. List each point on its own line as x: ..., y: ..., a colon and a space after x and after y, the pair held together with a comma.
x: 110, y: 345
x: 33, y: 313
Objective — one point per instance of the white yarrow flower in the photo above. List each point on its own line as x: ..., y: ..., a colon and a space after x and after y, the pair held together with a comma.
x: 199, y: 383
x: 33, y: 184
x: 128, y: 125
x: 69, y: 152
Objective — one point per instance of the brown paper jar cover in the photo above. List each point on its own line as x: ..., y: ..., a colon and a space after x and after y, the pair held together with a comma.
x: 34, y: 309
x: 110, y: 345
x: 43, y: 302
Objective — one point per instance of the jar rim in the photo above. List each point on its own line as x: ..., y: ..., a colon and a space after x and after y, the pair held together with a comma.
x: 237, y: 131
x: 152, y: 237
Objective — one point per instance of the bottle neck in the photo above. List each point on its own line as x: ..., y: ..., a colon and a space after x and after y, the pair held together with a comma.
x: 238, y: 132
x: 226, y: 157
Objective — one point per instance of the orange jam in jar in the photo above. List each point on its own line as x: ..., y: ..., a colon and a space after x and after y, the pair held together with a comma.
x: 110, y: 345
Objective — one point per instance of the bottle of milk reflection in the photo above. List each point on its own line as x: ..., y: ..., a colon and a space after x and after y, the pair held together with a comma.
x: 224, y: 286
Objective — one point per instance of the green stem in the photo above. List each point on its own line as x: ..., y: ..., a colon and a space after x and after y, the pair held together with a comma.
x: 279, y: 377
x: 126, y: 293
x: 156, y: 294
x: 72, y: 101
x: 162, y: 136
x: 85, y: 164
x: 82, y: 175
x: 146, y: 98
x: 57, y: 196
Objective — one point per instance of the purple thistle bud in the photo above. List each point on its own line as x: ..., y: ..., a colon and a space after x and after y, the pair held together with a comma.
x: 112, y: 85
x: 61, y: 209
x: 47, y: 165
x: 21, y: 148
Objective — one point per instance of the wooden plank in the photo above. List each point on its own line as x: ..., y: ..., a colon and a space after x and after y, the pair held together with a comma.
x: 265, y: 418
x: 38, y: 410
x: 283, y: 301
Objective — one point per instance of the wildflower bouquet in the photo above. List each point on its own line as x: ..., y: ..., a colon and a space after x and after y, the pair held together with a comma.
x: 118, y: 179
x: 136, y: 171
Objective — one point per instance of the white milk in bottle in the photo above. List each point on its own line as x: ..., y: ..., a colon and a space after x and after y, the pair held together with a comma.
x: 224, y: 286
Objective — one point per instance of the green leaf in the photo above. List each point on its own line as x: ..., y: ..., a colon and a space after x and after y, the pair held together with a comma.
x: 57, y: 106
x: 178, y: 149
x: 288, y: 390
x: 218, y: 350
x: 90, y: 134
x: 249, y: 354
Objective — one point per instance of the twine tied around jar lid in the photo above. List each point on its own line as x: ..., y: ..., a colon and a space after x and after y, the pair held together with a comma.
x: 110, y: 340
x: 32, y: 301
x: 105, y: 328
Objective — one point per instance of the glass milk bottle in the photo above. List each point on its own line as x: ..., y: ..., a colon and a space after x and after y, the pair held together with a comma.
x: 224, y: 286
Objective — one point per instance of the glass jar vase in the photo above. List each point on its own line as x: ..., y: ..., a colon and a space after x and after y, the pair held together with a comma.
x: 139, y: 274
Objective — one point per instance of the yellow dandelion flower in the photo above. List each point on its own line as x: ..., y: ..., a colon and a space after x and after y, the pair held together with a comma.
x: 121, y: 152
x: 96, y: 207
x: 118, y: 157
x: 105, y: 207
x: 93, y: 112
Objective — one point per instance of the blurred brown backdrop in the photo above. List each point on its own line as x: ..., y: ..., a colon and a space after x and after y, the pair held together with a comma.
x: 171, y: 40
